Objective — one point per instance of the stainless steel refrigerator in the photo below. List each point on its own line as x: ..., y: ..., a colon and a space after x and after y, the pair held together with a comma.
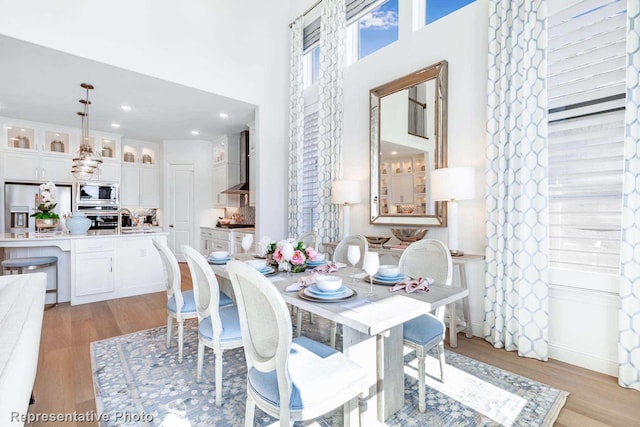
x: 21, y: 201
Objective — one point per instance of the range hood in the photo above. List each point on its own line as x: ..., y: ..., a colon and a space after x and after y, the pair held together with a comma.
x: 243, y: 187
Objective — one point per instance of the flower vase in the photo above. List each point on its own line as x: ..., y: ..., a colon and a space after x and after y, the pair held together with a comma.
x: 298, y: 268
x: 44, y: 224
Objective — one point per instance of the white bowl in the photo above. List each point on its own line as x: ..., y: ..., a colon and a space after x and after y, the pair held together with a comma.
x: 319, y: 257
x: 219, y: 254
x: 389, y: 270
x: 328, y: 283
x: 258, y: 264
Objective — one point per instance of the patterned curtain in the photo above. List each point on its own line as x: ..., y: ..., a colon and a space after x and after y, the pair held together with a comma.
x: 332, y: 51
x: 516, y: 297
x: 296, y: 130
x: 629, y: 317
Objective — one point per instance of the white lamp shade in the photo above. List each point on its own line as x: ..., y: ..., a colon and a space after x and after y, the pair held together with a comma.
x: 345, y: 191
x: 453, y: 184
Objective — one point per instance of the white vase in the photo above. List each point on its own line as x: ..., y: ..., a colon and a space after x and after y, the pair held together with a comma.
x: 78, y: 223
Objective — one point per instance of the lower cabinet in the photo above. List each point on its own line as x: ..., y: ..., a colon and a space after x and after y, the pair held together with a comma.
x: 104, y: 268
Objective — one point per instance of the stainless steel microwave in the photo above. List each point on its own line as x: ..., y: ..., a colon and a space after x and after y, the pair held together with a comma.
x: 97, y: 194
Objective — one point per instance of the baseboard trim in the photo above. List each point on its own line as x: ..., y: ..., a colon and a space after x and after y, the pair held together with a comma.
x: 583, y: 360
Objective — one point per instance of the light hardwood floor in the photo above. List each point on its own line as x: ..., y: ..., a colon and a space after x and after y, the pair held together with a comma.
x: 64, y: 382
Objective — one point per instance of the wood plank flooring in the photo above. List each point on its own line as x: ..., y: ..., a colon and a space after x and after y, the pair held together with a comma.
x: 64, y: 382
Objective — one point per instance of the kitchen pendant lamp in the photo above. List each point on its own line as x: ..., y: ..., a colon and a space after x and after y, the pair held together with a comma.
x: 86, y: 162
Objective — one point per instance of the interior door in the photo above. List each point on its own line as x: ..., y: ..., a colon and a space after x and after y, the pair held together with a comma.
x: 181, y: 208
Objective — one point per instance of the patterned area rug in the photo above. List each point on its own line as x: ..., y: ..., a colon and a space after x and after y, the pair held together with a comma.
x: 137, y: 375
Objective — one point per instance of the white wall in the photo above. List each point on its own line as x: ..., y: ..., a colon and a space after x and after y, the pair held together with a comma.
x: 232, y: 48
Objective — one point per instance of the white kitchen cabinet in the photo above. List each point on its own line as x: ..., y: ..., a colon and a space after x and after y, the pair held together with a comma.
x: 226, y: 170
x: 236, y: 241
x: 252, y: 179
x: 140, y: 186
x: 141, y: 181
x: 92, y: 269
x: 137, y: 265
x: 33, y: 166
x: 214, y: 240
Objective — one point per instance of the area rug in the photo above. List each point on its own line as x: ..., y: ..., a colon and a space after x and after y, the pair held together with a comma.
x: 138, y: 380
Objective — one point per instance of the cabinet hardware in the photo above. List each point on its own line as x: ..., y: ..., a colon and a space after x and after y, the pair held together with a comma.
x: 171, y: 225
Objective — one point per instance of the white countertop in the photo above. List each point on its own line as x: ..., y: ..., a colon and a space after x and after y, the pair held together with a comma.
x: 32, y: 237
x: 241, y: 229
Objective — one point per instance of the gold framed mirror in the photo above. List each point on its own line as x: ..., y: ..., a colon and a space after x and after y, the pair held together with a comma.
x: 408, y: 132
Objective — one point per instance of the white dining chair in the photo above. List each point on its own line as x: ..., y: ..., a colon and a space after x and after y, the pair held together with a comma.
x: 426, y: 258
x: 180, y: 305
x: 310, y: 238
x: 218, y: 327
x: 340, y: 255
x: 291, y: 379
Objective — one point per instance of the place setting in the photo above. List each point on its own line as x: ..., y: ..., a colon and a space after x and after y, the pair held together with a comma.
x: 262, y: 266
x: 218, y: 258
x: 321, y: 288
x: 388, y: 275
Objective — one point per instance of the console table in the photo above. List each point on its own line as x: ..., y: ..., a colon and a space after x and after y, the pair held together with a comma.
x: 459, y: 262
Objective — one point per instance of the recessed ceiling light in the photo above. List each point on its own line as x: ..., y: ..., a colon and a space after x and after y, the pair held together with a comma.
x: 9, y: 127
x: 57, y: 134
x: 224, y: 115
x: 393, y: 153
x: 115, y: 125
x: 125, y: 107
x: 21, y: 130
x: 195, y: 132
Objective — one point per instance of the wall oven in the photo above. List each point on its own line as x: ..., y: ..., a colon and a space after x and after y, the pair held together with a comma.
x: 102, y: 217
x: 97, y: 194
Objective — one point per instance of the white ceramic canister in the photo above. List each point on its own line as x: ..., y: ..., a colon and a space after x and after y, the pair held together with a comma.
x: 78, y: 223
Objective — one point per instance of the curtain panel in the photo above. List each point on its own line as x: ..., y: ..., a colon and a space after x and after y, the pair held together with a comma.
x: 330, y: 122
x: 296, y: 130
x: 516, y: 278
x: 629, y: 315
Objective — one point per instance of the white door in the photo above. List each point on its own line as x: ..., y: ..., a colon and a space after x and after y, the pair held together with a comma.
x: 181, y: 208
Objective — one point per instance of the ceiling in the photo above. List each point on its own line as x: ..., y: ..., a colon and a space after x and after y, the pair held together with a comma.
x: 43, y: 85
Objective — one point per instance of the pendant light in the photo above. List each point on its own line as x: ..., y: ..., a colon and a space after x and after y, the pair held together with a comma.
x: 86, y: 162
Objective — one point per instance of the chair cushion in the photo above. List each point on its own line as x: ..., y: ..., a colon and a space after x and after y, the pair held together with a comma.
x: 28, y: 262
x: 316, y: 372
x: 423, y: 329
x: 230, y: 325
x: 189, y: 303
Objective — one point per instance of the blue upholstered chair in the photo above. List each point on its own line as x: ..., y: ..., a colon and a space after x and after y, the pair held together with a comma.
x: 426, y: 258
x: 176, y: 298
x: 311, y: 378
x: 218, y: 327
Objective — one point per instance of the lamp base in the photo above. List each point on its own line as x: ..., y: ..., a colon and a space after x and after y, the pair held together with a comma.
x: 456, y: 253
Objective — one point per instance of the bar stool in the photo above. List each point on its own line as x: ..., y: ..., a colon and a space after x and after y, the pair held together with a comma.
x: 19, y: 265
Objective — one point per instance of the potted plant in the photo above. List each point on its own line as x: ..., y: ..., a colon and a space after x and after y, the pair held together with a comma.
x: 45, y: 217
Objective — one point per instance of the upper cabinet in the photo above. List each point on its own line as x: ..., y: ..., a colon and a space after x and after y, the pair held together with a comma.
x: 141, y: 183
x: 226, y: 170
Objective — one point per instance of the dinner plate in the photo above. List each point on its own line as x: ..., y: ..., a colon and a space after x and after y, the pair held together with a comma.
x: 315, y: 263
x: 268, y: 271
x: 316, y: 291
x: 309, y: 297
x: 218, y: 261
x: 386, y: 282
x: 396, y: 279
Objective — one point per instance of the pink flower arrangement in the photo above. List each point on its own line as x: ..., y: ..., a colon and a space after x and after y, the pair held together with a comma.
x: 298, y: 258
x: 277, y: 255
x: 297, y: 263
x: 311, y: 253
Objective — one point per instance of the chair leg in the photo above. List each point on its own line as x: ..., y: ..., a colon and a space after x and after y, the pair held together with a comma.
x: 422, y: 405
x: 249, y: 412
x: 352, y: 413
x: 298, y: 322
x: 180, y: 339
x: 333, y: 332
x: 200, y: 361
x: 169, y: 328
x: 218, y: 362
x: 441, y: 358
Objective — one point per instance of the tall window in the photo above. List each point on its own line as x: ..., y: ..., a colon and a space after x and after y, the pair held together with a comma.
x: 377, y: 28
x: 436, y: 9
x: 586, y: 84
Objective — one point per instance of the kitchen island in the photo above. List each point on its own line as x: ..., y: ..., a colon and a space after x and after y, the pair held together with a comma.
x: 95, y: 266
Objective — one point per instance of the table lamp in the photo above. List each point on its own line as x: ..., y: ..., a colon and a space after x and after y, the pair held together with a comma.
x: 345, y: 193
x: 451, y: 185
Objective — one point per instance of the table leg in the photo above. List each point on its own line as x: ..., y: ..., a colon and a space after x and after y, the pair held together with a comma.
x: 453, y: 332
x: 361, y: 348
x: 465, y: 302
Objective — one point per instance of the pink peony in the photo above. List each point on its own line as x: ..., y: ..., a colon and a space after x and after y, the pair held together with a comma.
x: 277, y: 255
x: 311, y: 253
x: 298, y: 258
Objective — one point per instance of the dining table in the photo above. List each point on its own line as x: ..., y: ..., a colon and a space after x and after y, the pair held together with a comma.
x: 371, y: 322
